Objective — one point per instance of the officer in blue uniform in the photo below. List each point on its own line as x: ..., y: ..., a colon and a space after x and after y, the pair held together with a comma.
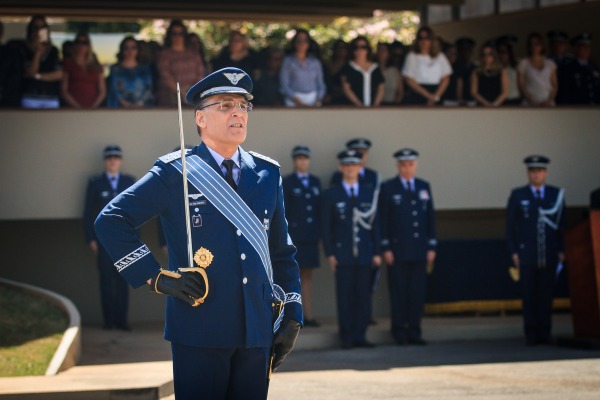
x: 351, y: 243
x: 558, y: 43
x: 535, y: 222
x: 114, y: 293
x: 221, y: 314
x: 302, y: 194
x: 367, y: 176
x: 581, y: 77
x: 408, y: 244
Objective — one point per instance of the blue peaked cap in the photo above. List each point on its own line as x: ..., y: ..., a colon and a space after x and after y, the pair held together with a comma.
x: 226, y: 80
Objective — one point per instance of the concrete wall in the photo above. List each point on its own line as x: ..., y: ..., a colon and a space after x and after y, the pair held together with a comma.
x: 572, y: 19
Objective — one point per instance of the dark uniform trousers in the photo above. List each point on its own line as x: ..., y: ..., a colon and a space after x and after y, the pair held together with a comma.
x: 114, y: 291
x: 537, y: 271
x: 408, y: 230
x: 303, y: 213
x: 353, y: 273
x: 220, y: 348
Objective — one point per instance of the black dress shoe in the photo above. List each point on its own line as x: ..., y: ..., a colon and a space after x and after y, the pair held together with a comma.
x: 107, y: 327
x: 372, y: 322
x: 125, y: 328
x: 400, y: 342
x: 312, y: 323
x: 347, y: 346
x: 531, y: 342
x: 364, y: 344
x: 417, y: 341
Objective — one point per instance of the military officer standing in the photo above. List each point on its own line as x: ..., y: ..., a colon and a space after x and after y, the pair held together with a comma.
x: 408, y: 244
x: 535, y: 222
x: 244, y: 285
x: 351, y: 243
x: 581, y: 76
x: 302, y: 194
x: 114, y: 293
x: 367, y: 176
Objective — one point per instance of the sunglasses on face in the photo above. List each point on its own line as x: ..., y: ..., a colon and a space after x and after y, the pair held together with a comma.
x: 83, y: 42
x: 177, y: 33
x: 424, y: 38
x: 361, y: 47
x: 131, y: 47
x: 487, y: 53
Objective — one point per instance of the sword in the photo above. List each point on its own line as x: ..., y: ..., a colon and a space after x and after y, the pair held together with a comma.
x: 185, y: 186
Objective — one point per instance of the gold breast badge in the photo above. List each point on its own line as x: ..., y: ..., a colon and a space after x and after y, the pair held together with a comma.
x: 203, y: 257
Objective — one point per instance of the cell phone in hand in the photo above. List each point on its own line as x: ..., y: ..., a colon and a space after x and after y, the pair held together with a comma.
x: 43, y: 35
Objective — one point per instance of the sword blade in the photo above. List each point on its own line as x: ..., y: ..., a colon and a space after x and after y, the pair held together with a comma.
x: 185, y: 186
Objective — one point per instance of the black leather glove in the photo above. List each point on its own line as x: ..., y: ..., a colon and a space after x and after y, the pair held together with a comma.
x: 284, y: 341
x: 189, y: 286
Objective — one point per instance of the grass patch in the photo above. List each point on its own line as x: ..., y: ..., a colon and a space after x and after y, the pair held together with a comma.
x: 31, y: 330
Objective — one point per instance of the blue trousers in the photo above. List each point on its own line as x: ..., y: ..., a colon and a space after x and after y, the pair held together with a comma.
x: 114, y: 292
x: 353, y: 289
x: 537, y: 285
x: 408, y: 283
x: 219, y: 374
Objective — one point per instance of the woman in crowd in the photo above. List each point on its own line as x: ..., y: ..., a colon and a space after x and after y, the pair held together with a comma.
x: 426, y: 70
x: 537, y: 74
x: 177, y: 63
x: 42, y: 75
x: 393, y: 88
x: 362, y: 80
x: 196, y: 44
x: 489, y: 81
x: 83, y: 84
x: 506, y: 55
x: 129, y: 82
x: 301, y: 76
x: 237, y: 54
x: 337, y: 61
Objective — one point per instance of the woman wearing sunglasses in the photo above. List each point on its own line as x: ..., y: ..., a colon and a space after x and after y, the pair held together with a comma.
x: 362, y: 80
x: 489, y: 81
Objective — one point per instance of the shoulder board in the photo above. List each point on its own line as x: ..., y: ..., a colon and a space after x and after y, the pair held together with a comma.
x: 267, y: 159
x: 167, y: 158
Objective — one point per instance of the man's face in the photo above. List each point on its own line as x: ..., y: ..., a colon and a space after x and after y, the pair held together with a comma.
x: 221, y: 127
x: 537, y: 176
x: 350, y: 171
x: 583, y: 51
x: 112, y: 164
x: 365, y: 156
x: 301, y: 164
x: 407, y: 168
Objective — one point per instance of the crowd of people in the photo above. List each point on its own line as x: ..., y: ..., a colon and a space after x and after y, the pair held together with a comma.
x: 557, y: 70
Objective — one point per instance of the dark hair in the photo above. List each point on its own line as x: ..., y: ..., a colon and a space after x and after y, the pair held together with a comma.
x: 512, y: 60
x: 537, y: 36
x: 32, y: 29
x: 353, y: 46
x: 176, y: 23
x: 390, y: 61
x: 1, y: 28
x: 434, y: 50
x: 120, y: 54
x: 312, y: 45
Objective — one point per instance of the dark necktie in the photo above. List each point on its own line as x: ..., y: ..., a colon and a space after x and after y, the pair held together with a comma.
x: 538, y: 194
x: 228, y: 164
x: 352, y: 196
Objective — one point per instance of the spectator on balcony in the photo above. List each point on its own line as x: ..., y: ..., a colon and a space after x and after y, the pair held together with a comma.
x: 558, y: 43
x: 537, y: 74
x: 362, y: 80
x: 464, y: 67
x: 301, y: 76
x: 581, y: 76
x: 506, y: 55
x: 426, y: 70
x: 393, y: 88
x: 176, y: 63
x: 129, y: 82
x: 266, y: 79
x: 489, y: 81
x: 398, y: 54
x: 197, y: 45
x: 83, y: 84
x: 339, y: 58
x: 11, y: 71
x: 42, y: 75
x: 237, y: 54
x: 450, y: 96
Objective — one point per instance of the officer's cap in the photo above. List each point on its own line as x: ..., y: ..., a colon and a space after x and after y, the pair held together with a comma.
x: 226, y: 80
x: 557, y: 36
x: 112, y: 150
x: 582, y: 38
x: 300, y: 151
x: 465, y: 43
x: 406, y: 154
x: 536, y: 161
x: 349, y: 156
x: 359, y: 143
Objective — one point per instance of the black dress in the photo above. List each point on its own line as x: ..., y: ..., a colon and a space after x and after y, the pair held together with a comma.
x: 489, y: 84
x: 355, y: 77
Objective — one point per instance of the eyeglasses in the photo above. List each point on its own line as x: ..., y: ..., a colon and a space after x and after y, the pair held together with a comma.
x: 133, y: 47
x: 177, y: 33
x: 229, y: 105
x: 302, y: 40
x: 424, y: 38
x: 361, y: 47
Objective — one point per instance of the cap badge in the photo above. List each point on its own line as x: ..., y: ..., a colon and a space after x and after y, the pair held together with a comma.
x: 233, y: 78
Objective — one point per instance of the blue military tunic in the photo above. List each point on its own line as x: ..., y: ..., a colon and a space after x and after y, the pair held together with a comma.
x: 367, y: 177
x: 407, y: 220
x: 238, y: 310
x: 303, y: 213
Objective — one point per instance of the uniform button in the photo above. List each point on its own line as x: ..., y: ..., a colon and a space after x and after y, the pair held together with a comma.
x: 416, y: 235
x: 308, y: 208
x: 266, y: 212
x: 309, y: 220
x: 357, y: 240
x: 243, y: 256
x: 245, y: 280
x: 414, y: 213
x: 356, y: 229
x: 413, y: 202
x: 238, y: 232
x: 196, y: 209
x: 416, y: 224
x: 307, y: 195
